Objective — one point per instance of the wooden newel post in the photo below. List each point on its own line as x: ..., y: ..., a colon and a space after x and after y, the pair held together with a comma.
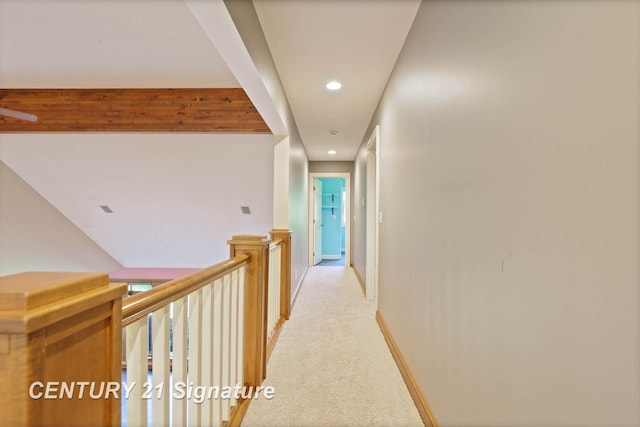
x: 255, y: 305
x: 285, y: 270
x: 60, y: 349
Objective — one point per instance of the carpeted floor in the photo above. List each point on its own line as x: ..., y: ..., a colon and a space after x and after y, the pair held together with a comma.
x: 332, y: 262
x: 331, y: 365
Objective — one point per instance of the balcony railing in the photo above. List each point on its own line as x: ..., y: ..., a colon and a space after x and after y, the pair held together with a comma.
x: 195, y: 348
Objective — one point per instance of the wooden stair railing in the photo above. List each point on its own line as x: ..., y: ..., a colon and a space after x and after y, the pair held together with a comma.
x: 196, y: 327
x: 279, y: 305
x: 213, y: 328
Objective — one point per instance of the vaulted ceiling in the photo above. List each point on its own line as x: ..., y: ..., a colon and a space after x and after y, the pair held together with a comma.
x: 169, y: 192
x: 110, y: 44
x: 164, y: 44
x: 106, y: 44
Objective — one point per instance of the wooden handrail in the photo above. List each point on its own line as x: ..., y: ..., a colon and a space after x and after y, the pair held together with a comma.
x: 144, y: 303
x: 274, y: 243
x: 81, y: 317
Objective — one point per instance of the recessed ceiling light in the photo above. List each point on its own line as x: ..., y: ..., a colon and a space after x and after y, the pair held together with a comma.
x: 332, y: 152
x: 334, y: 85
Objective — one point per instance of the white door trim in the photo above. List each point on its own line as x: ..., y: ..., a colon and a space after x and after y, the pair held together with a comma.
x: 347, y: 207
x: 373, y: 215
x: 317, y: 221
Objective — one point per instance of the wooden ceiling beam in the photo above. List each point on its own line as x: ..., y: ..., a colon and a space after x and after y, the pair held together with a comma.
x: 226, y: 110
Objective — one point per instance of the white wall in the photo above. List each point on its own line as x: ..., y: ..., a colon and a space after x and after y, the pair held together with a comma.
x: 298, y: 213
x: 35, y: 236
x: 246, y: 20
x: 510, y: 197
x: 359, y: 213
x: 281, y: 184
x: 331, y: 167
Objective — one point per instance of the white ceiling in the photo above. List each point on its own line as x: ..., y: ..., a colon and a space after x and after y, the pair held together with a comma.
x: 162, y: 215
x: 355, y: 42
x: 106, y: 44
x: 176, y: 43
x: 172, y: 201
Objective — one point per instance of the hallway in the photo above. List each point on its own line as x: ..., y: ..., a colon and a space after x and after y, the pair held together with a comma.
x: 331, y: 365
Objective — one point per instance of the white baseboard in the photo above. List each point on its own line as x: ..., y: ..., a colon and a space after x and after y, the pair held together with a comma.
x: 296, y: 291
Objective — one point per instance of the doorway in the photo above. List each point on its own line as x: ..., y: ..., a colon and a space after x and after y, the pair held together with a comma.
x: 329, y: 219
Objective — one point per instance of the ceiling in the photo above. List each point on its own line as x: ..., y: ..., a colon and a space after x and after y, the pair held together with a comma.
x: 352, y: 41
x: 164, y: 190
x: 106, y: 44
x: 187, y: 43
x: 144, y: 43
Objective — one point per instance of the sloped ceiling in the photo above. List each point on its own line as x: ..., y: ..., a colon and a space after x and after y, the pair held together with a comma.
x: 106, y: 44
x: 170, y: 191
x: 175, y: 197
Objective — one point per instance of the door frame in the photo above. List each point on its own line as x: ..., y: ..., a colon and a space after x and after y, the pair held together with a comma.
x: 373, y: 217
x: 347, y: 208
x: 317, y: 227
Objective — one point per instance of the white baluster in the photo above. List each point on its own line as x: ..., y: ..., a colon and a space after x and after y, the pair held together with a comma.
x: 137, y: 349
x: 195, y: 350
x: 273, y: 306
x: 270, y: 293
x: 278, y: 284
x: 216, y: 329
x: 179, y: 363
x: 233, y: 337
x: 276, y: 289
x: 206, y: 360
x: 241, y: 290
x: 160, y: 366
x: 226, y: 342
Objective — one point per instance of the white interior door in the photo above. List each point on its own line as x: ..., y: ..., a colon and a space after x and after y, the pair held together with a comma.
x: 317, y: 221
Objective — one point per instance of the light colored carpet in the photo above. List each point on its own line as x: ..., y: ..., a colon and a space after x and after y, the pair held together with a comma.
x: 331, y: 365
